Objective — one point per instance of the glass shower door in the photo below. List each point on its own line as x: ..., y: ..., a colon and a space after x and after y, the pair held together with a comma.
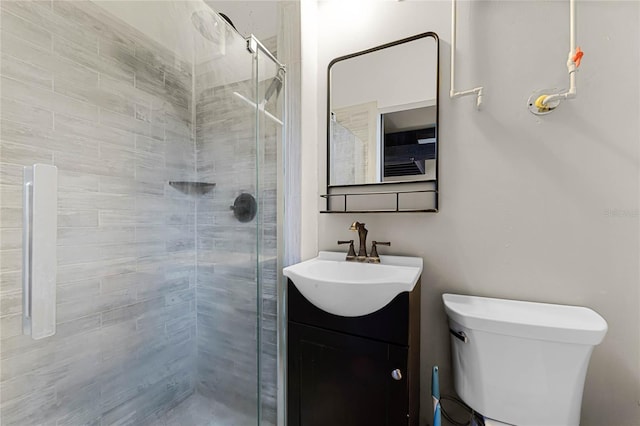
x: 166, y: 296
x: 110, y: 107
x: 226, y: 297
x: 239, y: 129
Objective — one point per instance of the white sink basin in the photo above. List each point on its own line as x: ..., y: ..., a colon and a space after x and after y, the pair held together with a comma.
x: 352, y: 289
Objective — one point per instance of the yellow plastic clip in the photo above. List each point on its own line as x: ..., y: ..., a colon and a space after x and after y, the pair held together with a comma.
x: 540, y: 105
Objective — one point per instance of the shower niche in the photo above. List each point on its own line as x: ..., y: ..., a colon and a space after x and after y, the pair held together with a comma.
x: 192, y: 188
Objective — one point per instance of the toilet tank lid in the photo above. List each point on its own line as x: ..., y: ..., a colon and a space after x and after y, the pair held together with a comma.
x: 541, y: 321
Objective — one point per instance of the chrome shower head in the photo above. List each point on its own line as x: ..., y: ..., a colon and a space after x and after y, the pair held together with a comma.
x: 207, y: 24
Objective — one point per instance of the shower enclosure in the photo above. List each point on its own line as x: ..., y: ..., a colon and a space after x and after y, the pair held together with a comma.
x: 165, y: 128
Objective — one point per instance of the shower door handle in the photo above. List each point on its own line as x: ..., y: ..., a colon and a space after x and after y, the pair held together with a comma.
x: 26, y: 250
x: 39, y: 245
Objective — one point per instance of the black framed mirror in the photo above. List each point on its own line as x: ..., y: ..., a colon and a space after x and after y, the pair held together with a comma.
x: 382, y: 124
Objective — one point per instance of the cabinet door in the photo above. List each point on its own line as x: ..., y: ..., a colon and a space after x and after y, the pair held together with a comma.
x: 342, y: 380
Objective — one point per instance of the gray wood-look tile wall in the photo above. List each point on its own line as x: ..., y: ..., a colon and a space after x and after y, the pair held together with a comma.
x: 112, y: 110
x: 157, y: 293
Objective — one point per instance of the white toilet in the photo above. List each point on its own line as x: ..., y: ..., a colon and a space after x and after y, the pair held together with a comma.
x: 521, y: 363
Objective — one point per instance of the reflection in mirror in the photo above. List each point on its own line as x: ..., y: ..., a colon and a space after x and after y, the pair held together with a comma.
x: 409, y: 144
x: 383, y: 117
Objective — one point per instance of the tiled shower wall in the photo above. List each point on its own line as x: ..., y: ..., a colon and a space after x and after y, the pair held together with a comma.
x: 112, y: 110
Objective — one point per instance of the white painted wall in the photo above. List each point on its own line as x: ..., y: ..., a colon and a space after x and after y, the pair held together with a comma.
x: 311, y: 124
x: 536, y: 208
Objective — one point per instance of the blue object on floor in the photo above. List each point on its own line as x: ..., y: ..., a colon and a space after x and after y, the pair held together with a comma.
x: 435, y: 394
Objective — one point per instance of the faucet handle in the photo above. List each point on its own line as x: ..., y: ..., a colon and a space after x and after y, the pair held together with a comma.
x: 351, y: 255
x: 375, y: 258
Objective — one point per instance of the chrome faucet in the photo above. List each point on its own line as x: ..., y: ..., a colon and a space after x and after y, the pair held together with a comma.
x: 362, y: 234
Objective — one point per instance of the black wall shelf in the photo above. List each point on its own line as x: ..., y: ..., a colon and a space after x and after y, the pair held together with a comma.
x: 395, y: 209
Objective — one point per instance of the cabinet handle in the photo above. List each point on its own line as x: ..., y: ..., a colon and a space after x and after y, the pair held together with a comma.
x: 396, y: 374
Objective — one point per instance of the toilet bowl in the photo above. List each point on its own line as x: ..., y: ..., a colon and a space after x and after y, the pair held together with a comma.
x: 521, y: 363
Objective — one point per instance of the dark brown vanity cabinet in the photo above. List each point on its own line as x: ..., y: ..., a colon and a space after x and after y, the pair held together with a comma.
x: 353, y: 371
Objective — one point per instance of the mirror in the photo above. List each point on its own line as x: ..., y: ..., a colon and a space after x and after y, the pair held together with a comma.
x: 382, y: 118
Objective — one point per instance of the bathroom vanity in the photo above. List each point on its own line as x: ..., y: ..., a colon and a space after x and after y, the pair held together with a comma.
x: 353, y: 370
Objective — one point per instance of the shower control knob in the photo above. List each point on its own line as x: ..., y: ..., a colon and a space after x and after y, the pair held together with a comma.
x: 396, y: 374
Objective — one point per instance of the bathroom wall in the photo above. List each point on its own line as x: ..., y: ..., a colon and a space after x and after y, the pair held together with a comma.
x: 112, y: 110
x: 535, y: 208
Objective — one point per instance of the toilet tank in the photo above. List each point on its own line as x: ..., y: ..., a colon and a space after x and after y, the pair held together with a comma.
x: 521, y: 363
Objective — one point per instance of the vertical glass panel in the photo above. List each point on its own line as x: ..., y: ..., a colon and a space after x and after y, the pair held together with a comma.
x: 227, y: 365
x: 269, y: 107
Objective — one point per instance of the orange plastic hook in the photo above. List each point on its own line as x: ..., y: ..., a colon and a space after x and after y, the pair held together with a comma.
x: 578, y: 56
